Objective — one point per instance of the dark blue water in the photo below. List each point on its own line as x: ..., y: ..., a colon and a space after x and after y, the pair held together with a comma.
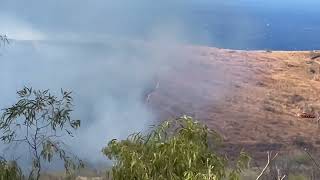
x: 257, y: 24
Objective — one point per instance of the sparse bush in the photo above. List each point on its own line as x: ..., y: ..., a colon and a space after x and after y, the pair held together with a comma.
x: 9, y: 170
x: 4, y: 40
x: 39, y: 120
x: 177, y: 149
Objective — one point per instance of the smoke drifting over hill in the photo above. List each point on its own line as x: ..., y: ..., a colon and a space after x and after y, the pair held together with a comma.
x: 106, y: 52
x: 91, y: 49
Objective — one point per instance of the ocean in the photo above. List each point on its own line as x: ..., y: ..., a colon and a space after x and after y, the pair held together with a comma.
x: 256, y: 24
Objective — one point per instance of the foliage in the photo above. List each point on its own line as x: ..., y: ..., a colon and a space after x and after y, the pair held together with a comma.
x: 4, y: 40
x: 177, y: 149
x: 39, y: 119
x: 9, y: 170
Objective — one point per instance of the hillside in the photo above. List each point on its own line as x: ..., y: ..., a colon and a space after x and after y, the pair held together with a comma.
x: 253, y: 98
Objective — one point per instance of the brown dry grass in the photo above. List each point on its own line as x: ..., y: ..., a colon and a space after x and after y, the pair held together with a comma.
x: 250, y: 97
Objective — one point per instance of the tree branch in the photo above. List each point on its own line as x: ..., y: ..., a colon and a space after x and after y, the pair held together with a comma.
x: 268, y: 163
x: 310, y: 156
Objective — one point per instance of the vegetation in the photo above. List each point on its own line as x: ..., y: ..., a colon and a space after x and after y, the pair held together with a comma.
x: 38, y: 120
x: 4, y: 40
x: 178, y: 149
x: 9, y: 170
x: 175, y: 149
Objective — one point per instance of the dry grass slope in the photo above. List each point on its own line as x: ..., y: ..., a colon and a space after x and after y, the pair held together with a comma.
x: 251, y: 97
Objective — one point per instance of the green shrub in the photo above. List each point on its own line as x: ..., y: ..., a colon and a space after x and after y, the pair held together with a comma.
x: 9, y: 170
x: 178, y: 149
x: 40, y: 120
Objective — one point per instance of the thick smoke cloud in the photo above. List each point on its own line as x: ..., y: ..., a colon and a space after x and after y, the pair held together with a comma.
x: 108, y: 81
x: 106, y: 52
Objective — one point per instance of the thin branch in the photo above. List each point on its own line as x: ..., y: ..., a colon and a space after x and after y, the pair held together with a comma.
x: 19, y: 140
x: 280, y: 177
x: 45, y: 126
x: 48, y: 138
x: 267, y: 165
x: 29, y: 143
x: 310, y: 156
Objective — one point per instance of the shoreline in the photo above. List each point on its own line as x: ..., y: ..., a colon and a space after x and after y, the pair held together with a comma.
x: 258, y: 50
x: 125, y: 40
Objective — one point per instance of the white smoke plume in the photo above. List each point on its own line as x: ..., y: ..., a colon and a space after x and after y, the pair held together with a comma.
x: 107, y: 52
x: 106, y: 66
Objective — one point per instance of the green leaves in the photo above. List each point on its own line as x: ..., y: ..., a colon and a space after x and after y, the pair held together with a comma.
x: 177, y: 149
x: 48, y: 150
x: 25, y: 92
x: 241, y: 164
x: 10, y: 170
x: 38, y: 107
x: 75, y: 124
x: 39, y: 119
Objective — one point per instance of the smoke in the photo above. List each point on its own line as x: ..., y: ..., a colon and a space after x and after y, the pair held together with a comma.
x: 108, y: 84
x: 106, y: 52
x: 16, y: 29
